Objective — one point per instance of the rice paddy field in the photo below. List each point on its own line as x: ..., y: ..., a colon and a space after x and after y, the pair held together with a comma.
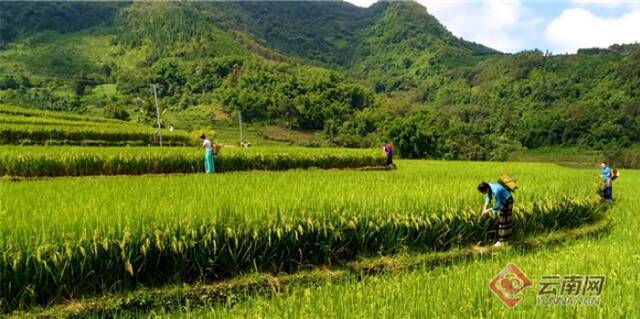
x: 119, y: 230
x: 81, y: 238
x: 25, y: 126
x: 43, y: 161
x: 461, y: 290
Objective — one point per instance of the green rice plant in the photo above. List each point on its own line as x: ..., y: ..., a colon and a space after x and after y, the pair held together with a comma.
x: 40, y: 161
x: 29, y: 126
x: 87, y: 135
x: 36, y: 120
x: 121, y: 232
x: 195, y: 299
x: 6, y: 109
x: 462, y: 290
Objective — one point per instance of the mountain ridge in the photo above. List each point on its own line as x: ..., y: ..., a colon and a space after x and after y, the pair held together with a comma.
x: 358, y: 76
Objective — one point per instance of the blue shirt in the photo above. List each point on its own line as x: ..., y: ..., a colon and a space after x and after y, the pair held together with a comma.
x: 499, y: 194
x: 606, y: 174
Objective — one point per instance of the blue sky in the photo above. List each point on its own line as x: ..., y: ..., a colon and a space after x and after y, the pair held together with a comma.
x: 557, y: 26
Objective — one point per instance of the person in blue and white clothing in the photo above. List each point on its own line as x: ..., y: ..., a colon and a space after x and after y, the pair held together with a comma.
x: 606, y: 175
x: 503, y: 204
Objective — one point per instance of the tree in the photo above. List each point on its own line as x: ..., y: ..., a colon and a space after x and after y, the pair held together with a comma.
x: 8, y: 82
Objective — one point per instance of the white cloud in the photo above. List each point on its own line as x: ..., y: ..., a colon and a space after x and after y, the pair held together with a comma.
x: 497, y: 24
x: 362, y: 3
x: 579, y: 27
x: 606, y: 4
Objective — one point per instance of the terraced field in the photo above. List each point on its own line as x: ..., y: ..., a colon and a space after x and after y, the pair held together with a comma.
x: 28, y: 127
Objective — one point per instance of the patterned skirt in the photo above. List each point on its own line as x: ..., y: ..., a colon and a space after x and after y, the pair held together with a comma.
x: 505, y: 221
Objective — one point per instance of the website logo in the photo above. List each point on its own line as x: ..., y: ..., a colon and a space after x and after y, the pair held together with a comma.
x: 508, y: 285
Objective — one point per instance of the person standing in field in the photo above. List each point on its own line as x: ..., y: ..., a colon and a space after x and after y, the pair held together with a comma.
x: 503, y: 204
x: 607, y: 178
x: 388, y: 150
x: 209, y: 165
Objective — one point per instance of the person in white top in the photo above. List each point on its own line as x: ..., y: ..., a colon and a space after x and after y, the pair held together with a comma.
x: 209, y: 165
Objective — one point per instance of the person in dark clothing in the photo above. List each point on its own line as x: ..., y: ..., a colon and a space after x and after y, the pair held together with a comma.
x: 503, y: 203
x: 388, y: 150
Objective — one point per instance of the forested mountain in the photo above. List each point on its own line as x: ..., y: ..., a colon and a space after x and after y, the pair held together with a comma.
x: 357, y: 76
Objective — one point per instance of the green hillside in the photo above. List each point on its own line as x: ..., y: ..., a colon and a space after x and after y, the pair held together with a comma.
x: 355, y: 76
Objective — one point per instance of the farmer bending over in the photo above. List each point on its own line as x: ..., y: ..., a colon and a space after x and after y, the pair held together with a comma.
x: 503, y: 203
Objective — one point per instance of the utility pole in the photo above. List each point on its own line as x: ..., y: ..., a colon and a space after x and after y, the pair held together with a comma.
x: 237, y: 71
x: 137, y: 102
x: 240, y: 123
x: 155, y: 94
